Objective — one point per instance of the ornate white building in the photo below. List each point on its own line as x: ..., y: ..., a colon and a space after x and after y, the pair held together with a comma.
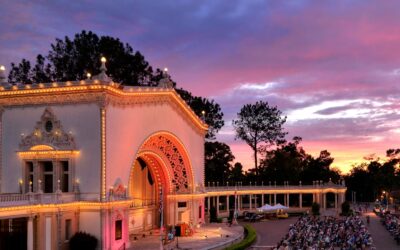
x: 112, y: 161
x: 98, y: 157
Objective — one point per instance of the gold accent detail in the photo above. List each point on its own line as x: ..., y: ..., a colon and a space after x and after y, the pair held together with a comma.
x: 103, y: 154
x: 41, y: 147
x: 47, y: 153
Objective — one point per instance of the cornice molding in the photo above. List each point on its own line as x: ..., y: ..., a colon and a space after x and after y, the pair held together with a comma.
x: 103, y: 96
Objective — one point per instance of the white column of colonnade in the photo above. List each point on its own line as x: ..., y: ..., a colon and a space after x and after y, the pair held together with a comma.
x: 217, y: 205
x: 336, y: 201
x: 301, y: 200
x: 30, y: 233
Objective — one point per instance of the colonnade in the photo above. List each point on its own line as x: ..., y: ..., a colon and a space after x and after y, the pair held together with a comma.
x: 248, y: 198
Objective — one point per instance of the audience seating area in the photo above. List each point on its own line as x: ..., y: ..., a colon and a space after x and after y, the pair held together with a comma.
x: 327, y: 233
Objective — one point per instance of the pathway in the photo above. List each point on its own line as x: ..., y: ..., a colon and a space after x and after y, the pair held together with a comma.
x: 270, y: 232
x: 382, y: 238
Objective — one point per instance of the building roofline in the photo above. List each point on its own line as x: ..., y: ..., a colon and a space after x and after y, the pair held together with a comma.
x: 92, y: 86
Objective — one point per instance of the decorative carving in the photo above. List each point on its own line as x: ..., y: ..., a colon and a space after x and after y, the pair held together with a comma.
x: 48, y: 131
x: 180, y: 179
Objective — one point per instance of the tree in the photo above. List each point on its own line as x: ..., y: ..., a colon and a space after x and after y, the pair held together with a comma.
x: 206, y: 109
x: 236, y: 173
x: 21, y: 72
x: 218, y: 158
x: 71, y: 59
x: 260, y: 126
x: 285, y: 163
x: 319, y: 169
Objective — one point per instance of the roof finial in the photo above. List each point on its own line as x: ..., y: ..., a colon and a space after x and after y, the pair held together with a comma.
x: 165, y: 81
x: 2, y: 74
x: 102, y: 76
x: 103, y: 67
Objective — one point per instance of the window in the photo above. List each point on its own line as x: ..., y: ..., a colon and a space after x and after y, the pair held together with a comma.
x: 64, y: 176
x: 200, y: 211
x: 68, y: 229
x: 118, y: 229
x: 49, y: 126
x: 182, y: 204
x: 47, y: 176
x: 29, y: 176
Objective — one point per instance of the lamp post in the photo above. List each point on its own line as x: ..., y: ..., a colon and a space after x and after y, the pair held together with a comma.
x: 20, y: 182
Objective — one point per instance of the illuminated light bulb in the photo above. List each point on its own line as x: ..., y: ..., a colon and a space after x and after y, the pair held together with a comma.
x: 27, y: 86
x: 88, y: 75
x: 55, y: 84
x: 41, y: 85
x: 2, y: 68
x: 103, y: 59
x: 165, y: 70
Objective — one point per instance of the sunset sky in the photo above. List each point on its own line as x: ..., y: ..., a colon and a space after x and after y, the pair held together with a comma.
x: 333, y: 67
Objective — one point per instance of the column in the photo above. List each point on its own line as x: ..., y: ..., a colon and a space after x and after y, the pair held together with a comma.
x: 301, y: 200
x: 208, y: 205
x: 250, y: 196
x: 227, y: 203
x: 324, y: 200
x: 30, y: 233
x: 336, y: 201
x: 288, y: 200
x: 275, y: 199
x: 262, y: 199
x: 47, y: 236
x: 36, y: 176
x: 217, y: 206
x: 270, y: 199
x: 341, y: 198
x: 56, y: 174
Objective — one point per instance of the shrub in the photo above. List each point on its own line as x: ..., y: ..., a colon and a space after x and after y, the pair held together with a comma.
x: 346, y: 211
x: 83, y: 241
x: 315, y: 208
x: 248, y: 240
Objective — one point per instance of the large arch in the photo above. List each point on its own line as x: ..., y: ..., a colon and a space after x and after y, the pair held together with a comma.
x: 174, y: 159
x: 165, y: 159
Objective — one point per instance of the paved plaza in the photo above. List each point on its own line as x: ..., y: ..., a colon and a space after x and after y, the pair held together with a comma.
x: 212, y: 236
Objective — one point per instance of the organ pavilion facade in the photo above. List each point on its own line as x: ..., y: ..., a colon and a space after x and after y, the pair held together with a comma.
x: 98, y: 157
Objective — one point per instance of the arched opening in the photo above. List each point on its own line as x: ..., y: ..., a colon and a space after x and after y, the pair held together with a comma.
x: 161, y: 169
x: 147, y: 181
